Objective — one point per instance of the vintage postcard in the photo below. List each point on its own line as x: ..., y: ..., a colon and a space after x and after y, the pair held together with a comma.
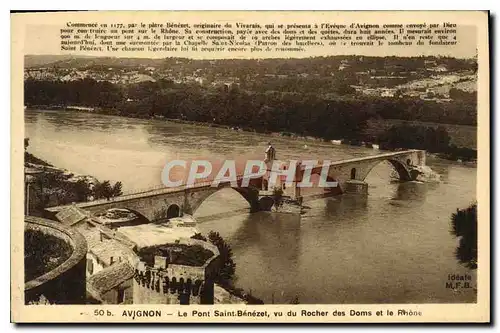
x: 258, y: 167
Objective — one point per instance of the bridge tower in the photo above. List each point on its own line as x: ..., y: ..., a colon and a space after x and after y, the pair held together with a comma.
x: 293, y: 191
x: 296, y: 180
x: 269, y: 158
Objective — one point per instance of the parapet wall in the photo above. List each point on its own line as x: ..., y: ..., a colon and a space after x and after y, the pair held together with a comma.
x: 66, y: 283
x: 155, y: 287
x: 176, y: 284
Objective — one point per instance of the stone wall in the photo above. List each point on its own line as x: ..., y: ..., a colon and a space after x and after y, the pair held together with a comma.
x: 162, y: 293
x: 121, y: 294
x: 177, y: 284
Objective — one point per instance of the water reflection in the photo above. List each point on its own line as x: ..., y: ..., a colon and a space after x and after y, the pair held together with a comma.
x: 346, y: 208
x: 276, y: 233
x: 410, y: 191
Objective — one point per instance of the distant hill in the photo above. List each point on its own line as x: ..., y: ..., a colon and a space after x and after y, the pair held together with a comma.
x: 69, y: 61
x: 42, y: 60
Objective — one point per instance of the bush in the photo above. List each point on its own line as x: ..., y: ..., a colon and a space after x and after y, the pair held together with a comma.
x: 464, y: 227
x: 43, y: 253
x: 278, y: 196
x: 415, y: 137
x: 228, y: 268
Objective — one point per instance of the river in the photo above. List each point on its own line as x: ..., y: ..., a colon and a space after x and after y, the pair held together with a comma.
x: 393, y: 246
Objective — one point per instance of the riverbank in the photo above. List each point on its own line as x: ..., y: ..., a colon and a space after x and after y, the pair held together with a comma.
x: 54, y: 186
x: 464, y: 155
x: 451, y: 152
x: 39, y: 165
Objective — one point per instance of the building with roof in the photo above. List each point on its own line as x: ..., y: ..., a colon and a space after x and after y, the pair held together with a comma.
x: 72, y: 215
x: 155, y: 234
x: 113, y: 284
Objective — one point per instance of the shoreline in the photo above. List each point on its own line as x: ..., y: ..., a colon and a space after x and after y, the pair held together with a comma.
x: 41, y: 165
x: 283, y: 134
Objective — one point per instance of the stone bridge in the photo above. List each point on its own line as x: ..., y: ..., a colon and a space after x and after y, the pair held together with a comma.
x: 355, y: 170
x: 162, y: 202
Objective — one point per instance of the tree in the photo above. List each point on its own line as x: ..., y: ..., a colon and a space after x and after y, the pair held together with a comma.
x: 278, y: 197
x: 464, y: 227
x: 105, y: 190
x: 228, y: 267
x: 82, y: 190
x: 343, y: 88
x: 199, y: 236
x: 117, y: 189
x: 102, y: 190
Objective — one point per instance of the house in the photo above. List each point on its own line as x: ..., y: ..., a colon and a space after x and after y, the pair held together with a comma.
x: 440, y: 69
x: 110, y: 258
x: 72, y: 215
x: 388, y: 93
x: 112, y: 285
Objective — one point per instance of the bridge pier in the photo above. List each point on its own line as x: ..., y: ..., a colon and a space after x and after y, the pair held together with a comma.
x: 354, y: 186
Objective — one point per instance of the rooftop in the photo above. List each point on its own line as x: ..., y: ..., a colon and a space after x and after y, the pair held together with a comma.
x: 108, y: 278
x: 110, y: 248
x: 71, y: 215
x: 103, y: 246
x: 151, y: 234
x: 177, y: 254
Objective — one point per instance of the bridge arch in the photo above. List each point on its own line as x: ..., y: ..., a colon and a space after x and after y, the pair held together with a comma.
x: 266, y: 203
x: 173, y: 211
x: 250, y: 194
x: 400, y: 167
x: 141, y: 218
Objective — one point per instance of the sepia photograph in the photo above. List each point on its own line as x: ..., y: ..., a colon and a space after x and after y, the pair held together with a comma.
x: 342, y: 177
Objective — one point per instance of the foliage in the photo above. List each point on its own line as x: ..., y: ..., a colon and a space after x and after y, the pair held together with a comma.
x: 303, y: 109
x: 465, y: 154
x: 462, y: 95
x: 434, y: 140
x: 53, y: 187
x: 464, y: 227
x: 417, y: 137
x: 179, y: 254
x: 42, y: 253
x: 57, y: 188
x: 30, y: 158
x: 278, y: 196
x: 199, y: 236
x: 228, y: 267
x: 81, y: 190
x: 82, y: 92
x: 105, y: 190
x: 295, y: 300
x: 225, y: 275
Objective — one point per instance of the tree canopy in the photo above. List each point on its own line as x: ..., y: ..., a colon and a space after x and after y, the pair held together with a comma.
x: 464, y: 227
